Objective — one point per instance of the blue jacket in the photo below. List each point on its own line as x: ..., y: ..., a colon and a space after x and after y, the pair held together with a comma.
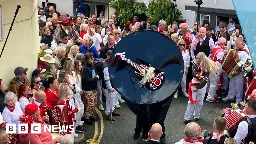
x: 83, y: 49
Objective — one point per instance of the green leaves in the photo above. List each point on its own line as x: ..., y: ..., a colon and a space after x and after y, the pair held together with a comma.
x: 160, y: 9
x: 157, y: 10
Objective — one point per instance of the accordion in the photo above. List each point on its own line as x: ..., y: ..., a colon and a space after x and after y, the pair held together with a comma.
x: 231, y: 63
x: 233, y: 117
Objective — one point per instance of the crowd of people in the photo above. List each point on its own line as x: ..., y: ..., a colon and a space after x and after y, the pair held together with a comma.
x: 73, y: 72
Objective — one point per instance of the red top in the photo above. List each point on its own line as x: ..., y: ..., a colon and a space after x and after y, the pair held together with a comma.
x: 43, y: 138
x: 187, y: 37
x: 41, y: 65
x: 214, y: 54
x: 82, y: 33
x: 52, y: 97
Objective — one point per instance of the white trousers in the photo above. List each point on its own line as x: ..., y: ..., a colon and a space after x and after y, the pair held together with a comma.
x: 117, y: 98
x: 110, y: 101
x: 194, y: 109
x: 183, y: 83
x: 99, y: 86
x: 225, y: 82
x: 79, y: 104
x: 213, y: 82
x: 236, y: 87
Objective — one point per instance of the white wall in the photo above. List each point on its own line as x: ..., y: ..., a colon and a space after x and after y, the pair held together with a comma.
x: 220, y: 4
x: 186, y: 14
x: 62, y: 5
x: 23, y: 43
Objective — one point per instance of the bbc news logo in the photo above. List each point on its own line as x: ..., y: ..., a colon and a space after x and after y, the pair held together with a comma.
x: 36, y: 128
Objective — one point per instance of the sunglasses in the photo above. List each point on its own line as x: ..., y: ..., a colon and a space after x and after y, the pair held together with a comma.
x: 117, y: 33
x: 221, y: 27
x: 38, y: 82
x: 181, y: 44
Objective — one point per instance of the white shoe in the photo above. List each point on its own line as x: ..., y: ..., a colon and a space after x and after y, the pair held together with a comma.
x: 101, y: 108
x: 121, y: 100
x: 226, y: 99
x: 117, y: 106
x: 176, y: 95
x: 185, y: 93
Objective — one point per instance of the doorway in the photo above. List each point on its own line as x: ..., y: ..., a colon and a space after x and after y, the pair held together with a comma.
x: 99, y: 9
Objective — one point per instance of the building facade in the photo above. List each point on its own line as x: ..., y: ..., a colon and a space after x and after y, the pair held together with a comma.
x: 212, y: 10
x: 23, y: 43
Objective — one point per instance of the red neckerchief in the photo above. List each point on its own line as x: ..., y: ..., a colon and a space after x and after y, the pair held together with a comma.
x: 67, y: 82
x: 11, y: 108
x: 90, y: 34
x: 117, y: 39
x: 243, y: 49
x: 193, y: 141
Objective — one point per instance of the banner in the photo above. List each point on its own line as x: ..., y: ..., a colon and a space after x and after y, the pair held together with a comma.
x: 246, y: 12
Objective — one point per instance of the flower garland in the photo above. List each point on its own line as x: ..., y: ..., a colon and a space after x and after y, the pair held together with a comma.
x: 147, y: 75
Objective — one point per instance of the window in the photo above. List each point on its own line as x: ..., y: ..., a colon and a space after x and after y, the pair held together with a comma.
x: 204, y: 17
x: 1, y: 23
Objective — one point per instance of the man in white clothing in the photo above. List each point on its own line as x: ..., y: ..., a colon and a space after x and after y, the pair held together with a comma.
x: 246, y: 129
x: 192, y: 133
x: 96, y: 38
x: 236, y: 82
x: 217, y: 56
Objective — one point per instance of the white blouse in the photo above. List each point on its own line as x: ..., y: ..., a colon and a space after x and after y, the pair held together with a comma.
x: 12, y: 117
x: 23, y: 103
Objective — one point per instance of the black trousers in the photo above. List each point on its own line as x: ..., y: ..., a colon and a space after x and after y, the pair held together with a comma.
x: 189, y: 76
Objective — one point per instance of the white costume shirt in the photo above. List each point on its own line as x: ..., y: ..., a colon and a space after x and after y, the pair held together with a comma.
x: 13, y: 117
x: 96, y: 38
x: 211, y: 45
x: 242, y: 130
x: 243, y: 56
x: 23, y: 103
x: 186, y: 59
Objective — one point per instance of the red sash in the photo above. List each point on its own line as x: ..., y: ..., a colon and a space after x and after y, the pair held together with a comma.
x: 190, y: 92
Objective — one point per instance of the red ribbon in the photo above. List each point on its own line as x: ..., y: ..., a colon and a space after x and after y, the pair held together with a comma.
x: 190, y: 93
x: 193, y: 141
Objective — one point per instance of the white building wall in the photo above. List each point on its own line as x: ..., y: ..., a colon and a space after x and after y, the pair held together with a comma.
x: 217, y: 4
x: 62, y: 5
x: 23, y: 43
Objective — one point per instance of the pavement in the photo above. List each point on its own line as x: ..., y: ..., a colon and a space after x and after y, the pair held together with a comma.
x: 121, y: 131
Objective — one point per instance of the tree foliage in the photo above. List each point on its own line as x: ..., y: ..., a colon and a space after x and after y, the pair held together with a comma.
x: 161, y: 9
x: 157, y: 10
x: 125, y: 9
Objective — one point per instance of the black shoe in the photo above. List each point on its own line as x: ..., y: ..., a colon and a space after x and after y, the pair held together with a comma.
x: 187, y: 121
x: 88, y: 121
x: 136, y: 136
x: 79, y: 129
x: 196, y: 119
x: 162, y: 140
x: 145, y: 137
x: 93, y: 119
x: 83, y: 119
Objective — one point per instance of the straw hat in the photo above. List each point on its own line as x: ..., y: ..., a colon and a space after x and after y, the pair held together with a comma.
x: 47, y: 58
